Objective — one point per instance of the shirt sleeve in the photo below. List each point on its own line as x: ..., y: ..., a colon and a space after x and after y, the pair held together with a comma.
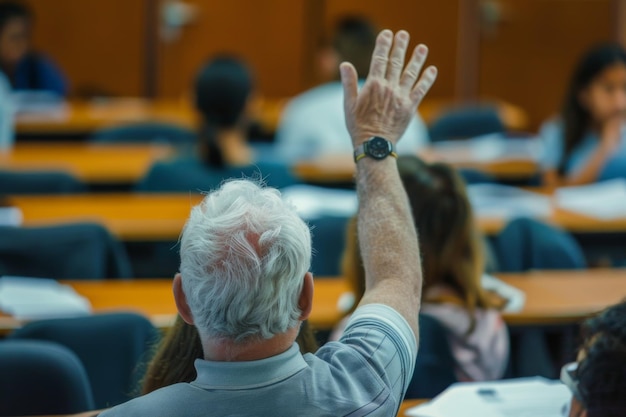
x: 385, y: 340
x: 551, y: 136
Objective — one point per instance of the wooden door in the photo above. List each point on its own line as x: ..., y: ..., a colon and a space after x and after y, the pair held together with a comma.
x: 528, y: 48
x: 99, y: 44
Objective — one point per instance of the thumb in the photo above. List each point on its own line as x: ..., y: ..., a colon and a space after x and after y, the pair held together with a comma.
x: 349, y: 79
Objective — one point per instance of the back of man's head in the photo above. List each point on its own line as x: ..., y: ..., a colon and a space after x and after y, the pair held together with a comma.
x: 244, y: 254
x: 353, y: 41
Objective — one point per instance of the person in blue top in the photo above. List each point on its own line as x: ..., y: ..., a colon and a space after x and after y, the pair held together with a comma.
x: 590, y: 131
x: 25, y: 69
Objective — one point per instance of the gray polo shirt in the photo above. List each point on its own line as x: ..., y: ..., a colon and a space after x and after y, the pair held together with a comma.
x: 365, y: 373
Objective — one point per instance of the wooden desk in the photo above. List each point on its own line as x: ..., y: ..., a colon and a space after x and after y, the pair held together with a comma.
x: 552, y: 298
x: 153, y: 298
x: 151, y: 217
x: 87, y: 162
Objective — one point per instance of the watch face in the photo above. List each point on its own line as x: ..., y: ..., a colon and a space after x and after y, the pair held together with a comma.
x: 378, y: 148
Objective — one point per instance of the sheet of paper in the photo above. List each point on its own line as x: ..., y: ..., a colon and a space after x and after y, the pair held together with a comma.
x: 502, y: 201
x: 37, y: 298
x: 516, y: 297
x: 486, y: 148
x: 314, y: 202
x: 524, y: 397
x: 10, y: 216
x: 604, y: 200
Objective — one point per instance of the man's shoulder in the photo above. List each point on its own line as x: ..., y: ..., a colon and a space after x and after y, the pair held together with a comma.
x: 167, y: 401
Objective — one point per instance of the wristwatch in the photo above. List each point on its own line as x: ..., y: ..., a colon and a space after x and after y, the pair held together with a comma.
x: 375, y: 147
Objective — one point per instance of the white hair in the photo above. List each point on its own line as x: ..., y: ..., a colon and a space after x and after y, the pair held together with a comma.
x: 244, y: 253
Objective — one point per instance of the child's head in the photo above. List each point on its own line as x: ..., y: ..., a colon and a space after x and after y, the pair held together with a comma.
x: 450, y: 246
x: 15, y: 20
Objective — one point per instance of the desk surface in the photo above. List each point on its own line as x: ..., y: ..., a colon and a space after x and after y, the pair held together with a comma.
x: 82, y: 117
x: 91, y: 163
x: 151, y: 217
x: 552, y: 298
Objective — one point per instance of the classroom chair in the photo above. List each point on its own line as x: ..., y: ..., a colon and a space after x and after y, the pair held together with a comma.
x: 40, y: 377
x: 527, y: 244
x: 39, y: 183
x: 434, y: 367
x: 72, y: 251
x: 114, y: 349
x: 328, y: 234
x: 465, y: 122
x: 189, y: 175
x: 146, y: 132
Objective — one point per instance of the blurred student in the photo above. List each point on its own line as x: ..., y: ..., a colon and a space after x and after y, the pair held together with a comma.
x: 453, y: 265
x: 175, y: 356
x: 598, y: 378
x: 313, y: 122
x: 223, y: 94
x: 591, y: 128
x: 6, y: 115
x: 25, y: 68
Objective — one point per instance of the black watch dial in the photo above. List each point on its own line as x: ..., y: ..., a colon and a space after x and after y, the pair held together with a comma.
x: 378, y: 148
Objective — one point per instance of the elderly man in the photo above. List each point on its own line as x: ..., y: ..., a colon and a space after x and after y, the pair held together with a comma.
x: 244, y: 280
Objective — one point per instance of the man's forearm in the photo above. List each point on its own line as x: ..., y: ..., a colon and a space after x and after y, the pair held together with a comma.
x: 387, y: 237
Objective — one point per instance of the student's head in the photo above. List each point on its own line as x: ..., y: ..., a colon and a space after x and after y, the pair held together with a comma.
x: 245, y: 256
x: 596, y: 93
x: 598, y: 380
x: 15, y: 21
x: 174, y: 358
x: 223, y: 89
x: 353, y: 40
x: 451, y: 250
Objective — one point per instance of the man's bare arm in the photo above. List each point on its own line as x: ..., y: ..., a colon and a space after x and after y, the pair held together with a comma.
x: 387, y: 236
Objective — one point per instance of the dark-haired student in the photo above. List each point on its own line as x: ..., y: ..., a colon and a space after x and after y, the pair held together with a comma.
x: 223, y: 91
x: 25, y: 68
x: 591, y: 127
x: 598, y: 379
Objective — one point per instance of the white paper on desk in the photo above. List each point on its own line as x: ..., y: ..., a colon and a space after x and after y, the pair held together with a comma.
x: 38, y: 298
x: 524, y: 397
x: 313, y: 202
x: 10, y: 216
x: 506, y: 202
x: 603, y: 200
x: 486, y: 148
x: 515, y: 297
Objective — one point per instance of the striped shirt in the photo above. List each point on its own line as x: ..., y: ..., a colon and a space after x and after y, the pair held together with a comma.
x: 365, y: 373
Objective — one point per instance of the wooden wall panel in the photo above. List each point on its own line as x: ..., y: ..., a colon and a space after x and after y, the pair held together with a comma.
x: 434, y: 23
x: 529, y: 50
x: 100, y: 44
x: 268, y: 34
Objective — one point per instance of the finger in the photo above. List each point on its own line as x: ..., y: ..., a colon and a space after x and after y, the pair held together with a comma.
x: 398, y: 53
x: 413, y: 68
x: 380, y: 56
x: 349, y: 80
x: 423, y: 85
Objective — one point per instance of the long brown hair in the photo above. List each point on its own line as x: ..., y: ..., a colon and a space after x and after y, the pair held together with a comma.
x: 175, y: 355
x: 452, y: 253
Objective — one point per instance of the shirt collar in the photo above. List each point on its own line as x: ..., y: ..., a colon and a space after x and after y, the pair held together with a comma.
x: 249, y: 374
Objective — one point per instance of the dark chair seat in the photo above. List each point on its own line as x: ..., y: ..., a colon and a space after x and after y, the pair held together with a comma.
x: 39, y: 183
x: 466, y: 122
x: 113, y: 348
x: 39, y: 377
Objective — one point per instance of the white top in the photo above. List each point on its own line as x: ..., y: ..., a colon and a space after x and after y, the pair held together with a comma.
x: 6, y: 114
x: 313, y: 124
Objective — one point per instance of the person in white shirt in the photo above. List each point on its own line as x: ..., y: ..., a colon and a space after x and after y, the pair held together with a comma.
x: 7, y: 134
x: 313, y: 123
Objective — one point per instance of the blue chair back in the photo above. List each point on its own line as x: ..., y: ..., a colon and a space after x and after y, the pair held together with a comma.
x: 39, y: 377
x: 146, y: 132
x: 113, y: 348
x: 74, y: 251
x: 39, y: 183
x: 328, y: 240
x: 466, y: 122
